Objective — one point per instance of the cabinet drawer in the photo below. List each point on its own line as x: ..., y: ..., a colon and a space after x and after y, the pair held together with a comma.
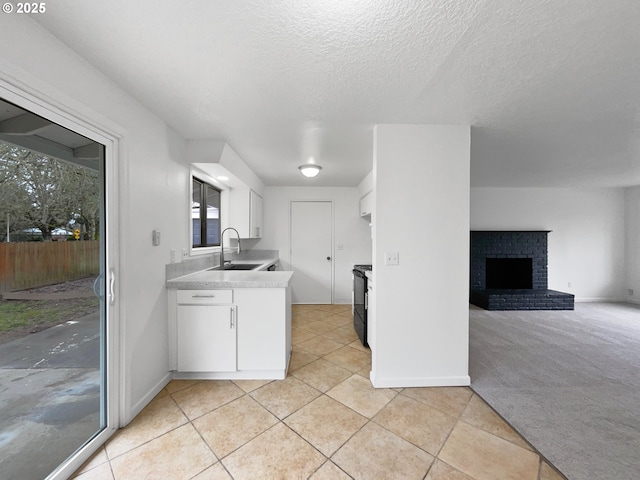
x: 204, y: 297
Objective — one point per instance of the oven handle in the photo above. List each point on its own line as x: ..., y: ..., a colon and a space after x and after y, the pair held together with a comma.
x: 366, y: 300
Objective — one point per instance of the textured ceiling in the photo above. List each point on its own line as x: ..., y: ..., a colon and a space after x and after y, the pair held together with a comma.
x: 550, y: 87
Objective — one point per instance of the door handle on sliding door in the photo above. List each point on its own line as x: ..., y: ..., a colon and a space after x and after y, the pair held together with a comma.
x: 112, y: 283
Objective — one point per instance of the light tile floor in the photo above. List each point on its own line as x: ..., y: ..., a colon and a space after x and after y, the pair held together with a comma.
x: 324, y: 421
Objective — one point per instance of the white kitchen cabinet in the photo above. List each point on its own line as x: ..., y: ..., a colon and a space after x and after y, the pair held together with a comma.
x: 240, y: 333
x: 245, y: 212
x: 264, y: 334
x: 206, y: 338
x: 366, y: 205
x: 255, y: 215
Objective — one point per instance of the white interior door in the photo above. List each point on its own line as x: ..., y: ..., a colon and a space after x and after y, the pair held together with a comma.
x: 312, y: 252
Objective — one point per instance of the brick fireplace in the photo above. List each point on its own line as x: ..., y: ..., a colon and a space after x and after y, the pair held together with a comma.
x: 509, y: 272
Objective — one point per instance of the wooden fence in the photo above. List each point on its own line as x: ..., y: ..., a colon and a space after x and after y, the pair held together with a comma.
x: 35, y: 264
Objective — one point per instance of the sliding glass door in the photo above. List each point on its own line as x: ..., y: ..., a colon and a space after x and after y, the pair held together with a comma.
x: 57, y: 374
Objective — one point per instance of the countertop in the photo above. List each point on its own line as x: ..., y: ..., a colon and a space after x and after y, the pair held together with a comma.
x: 231, y: 279
x: 204, y: 279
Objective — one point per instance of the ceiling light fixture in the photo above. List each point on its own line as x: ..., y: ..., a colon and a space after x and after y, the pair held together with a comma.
x: 310, y: 170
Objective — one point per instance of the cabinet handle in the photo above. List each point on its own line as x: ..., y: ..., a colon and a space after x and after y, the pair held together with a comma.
x: 231, y: 318
x: 203, y: 296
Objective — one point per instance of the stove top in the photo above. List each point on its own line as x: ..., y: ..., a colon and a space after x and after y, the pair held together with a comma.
x: 363, y: 267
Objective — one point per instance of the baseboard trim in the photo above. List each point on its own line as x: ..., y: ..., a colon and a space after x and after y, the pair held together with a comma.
x: 239, y: 375
x: 144, y: 401
x: 597, y: 300
x: 382, y: 382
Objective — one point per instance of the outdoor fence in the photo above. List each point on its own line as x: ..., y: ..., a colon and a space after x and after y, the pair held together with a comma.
x: 35, y: 264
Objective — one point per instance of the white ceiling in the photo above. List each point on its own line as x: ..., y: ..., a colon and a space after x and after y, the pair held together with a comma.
x: 550, y: 87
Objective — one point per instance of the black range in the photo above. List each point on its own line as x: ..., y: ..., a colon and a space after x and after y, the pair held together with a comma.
x: 360, y: 301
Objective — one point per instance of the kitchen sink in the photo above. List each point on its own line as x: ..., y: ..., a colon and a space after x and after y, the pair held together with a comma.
x: 239, y: 266
x: 242, y: 266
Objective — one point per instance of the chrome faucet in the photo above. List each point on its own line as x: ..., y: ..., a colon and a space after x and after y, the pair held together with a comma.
x: 222, y: 245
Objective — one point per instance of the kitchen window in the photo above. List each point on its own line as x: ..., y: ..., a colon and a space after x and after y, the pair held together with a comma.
x: 205, y: 214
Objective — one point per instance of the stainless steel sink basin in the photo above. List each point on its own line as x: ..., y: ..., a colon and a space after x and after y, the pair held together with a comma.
x: 242, y: 266
x: 239, y: 266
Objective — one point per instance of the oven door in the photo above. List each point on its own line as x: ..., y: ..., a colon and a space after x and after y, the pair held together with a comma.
x: 359, y: 305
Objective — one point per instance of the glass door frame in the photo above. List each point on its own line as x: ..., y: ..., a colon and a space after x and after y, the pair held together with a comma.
x: 84, y: 124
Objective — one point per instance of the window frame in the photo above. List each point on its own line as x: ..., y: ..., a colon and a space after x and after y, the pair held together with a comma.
x: 91, y: 124
x: 202, y: 247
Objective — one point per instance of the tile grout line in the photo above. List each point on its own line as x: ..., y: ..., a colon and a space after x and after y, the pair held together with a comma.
x: 532, y: 447
x: 218, y: 460
x: 368, y: 420
x: 282, y: 421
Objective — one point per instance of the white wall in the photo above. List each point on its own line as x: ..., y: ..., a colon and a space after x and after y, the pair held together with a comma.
x: 632, y: 245
x: 153, y: 182
x: 586, y: 245
x: 350, y: 230
x: 366, y: 185
x: 421, y: 210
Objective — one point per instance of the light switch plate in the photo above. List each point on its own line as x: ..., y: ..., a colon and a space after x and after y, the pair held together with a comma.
x: 391, y: 258
x: 156, y: 237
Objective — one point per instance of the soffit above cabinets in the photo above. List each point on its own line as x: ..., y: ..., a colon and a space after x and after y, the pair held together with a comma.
x: 217, y: 159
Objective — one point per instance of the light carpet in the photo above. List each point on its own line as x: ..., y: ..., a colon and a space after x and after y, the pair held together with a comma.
x: 568, y: 381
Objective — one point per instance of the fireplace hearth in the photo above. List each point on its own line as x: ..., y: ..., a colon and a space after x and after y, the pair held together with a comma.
x: 509, y: 272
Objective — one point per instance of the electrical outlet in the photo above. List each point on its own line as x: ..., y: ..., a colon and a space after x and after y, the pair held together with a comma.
x: 185, y: 253
x: 569, y: 284
x: 630, y: 291
x: 391, y: 258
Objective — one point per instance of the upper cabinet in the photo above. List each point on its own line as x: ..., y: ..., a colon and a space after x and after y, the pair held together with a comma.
x: 366, y: 204
x: 255, y: 215
x: 245, y: 212
x: 366, y: 195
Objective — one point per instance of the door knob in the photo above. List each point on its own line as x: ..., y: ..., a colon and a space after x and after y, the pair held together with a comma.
x: 328, y: 258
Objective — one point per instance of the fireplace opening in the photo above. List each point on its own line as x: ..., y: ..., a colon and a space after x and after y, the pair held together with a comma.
x: 512, y: 273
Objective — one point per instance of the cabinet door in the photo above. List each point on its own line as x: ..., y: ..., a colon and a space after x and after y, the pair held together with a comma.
x: 366, y: 204
x: 207, y: 338
x: 263, y: 332
x: 240, y: 210
x: 256, y: 215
